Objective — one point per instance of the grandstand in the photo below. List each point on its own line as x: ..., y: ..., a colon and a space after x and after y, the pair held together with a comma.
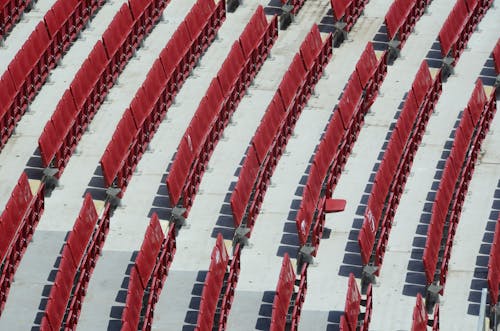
x: 249, y: 165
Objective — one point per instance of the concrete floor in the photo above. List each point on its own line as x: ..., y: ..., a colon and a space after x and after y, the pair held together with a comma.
x: 274, y: 232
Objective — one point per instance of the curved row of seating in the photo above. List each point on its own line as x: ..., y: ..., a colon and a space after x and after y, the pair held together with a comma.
x: 347, y: 11
x: 29, y: 69
x: 450, y: 195
x: 289, y: 297
x: 336, y: 144
x: 226, y: 90
x: 402, y: 17
x: 218, y: 289
x: 277, y: 125
x: 77, y: 263
x: 353, y: 315
x: 17, y: 225
x: 11, y: 12
x: 421, y: 319
x: 164, y: 80
x: 93, y: 81
x: 148, y: 276
x: 396, y: 165
x: 460, y: 25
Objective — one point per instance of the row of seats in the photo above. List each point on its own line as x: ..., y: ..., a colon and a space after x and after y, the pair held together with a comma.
x: 230, y: 287
x: 353, y: 319
x: 148, y: 276
x: 164, y: 80
x: 10, y: 12
x: 213, y: 288
x: 296, y: 5
x: 336, y: 144
x: 396, y: 165
x: 494, y: 266
x: 421, y: 319
x: 17, y: 225
x: 93, y: 80
x: 78, y: 259
x: 457, y: 174
x: 459, y: 26
x: 348, y: 11
x: 289, y: 298
x: 242, y: 64
x: 30, y: 68
x: 402, y: 17
x: 277, y: 125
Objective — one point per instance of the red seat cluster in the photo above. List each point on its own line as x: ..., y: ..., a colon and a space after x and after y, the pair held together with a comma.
x: 421, y: 319
x: 164, y: 80
x: 17, y: 225
x: 277, y: 125
x: 148, y: 276
x: 78, y: 260
x: 457, y: 174
x: 217, y: 106
x: 353, y: 315
x: 10, y: 12
x: 30, y: 68
x: 336, y: 145
x: 402, y: 17
x: 396, y: 164
x: 218, y: 290
x: 459, y: 26
x: 93, y: 80
x: 289, y: 297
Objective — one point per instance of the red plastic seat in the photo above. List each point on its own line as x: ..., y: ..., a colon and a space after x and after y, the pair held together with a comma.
x: 284, y: 291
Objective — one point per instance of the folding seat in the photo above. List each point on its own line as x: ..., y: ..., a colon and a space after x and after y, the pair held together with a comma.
x: 103, y: 72
x: 243, y: 190
x: 211, y: 24
x: 305, y: 215
x: 133, y: 305
x: 47, y: 144
x: 179, y: 171
x: 81, y: 89
x: 186, y: 48
x: 287, y: 92
x: 394, y: 19
x: 115, y: 37
x: 117, y: 149
x: 477, y: 103
x: 148, y: 253
x: 38, y: 48
x: 422, y: 84
x: 140, y: 16
x: 366, y: 239
x: 154, y: 86
x: 366, y: 66
x: 58, y: 35
x: 310, y: 48
x: 170, y: 87
x: 250, y: 38
x: 141, y: 108
x: 284, y: 291
x: 229, y: 75
x: 196, y: 23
